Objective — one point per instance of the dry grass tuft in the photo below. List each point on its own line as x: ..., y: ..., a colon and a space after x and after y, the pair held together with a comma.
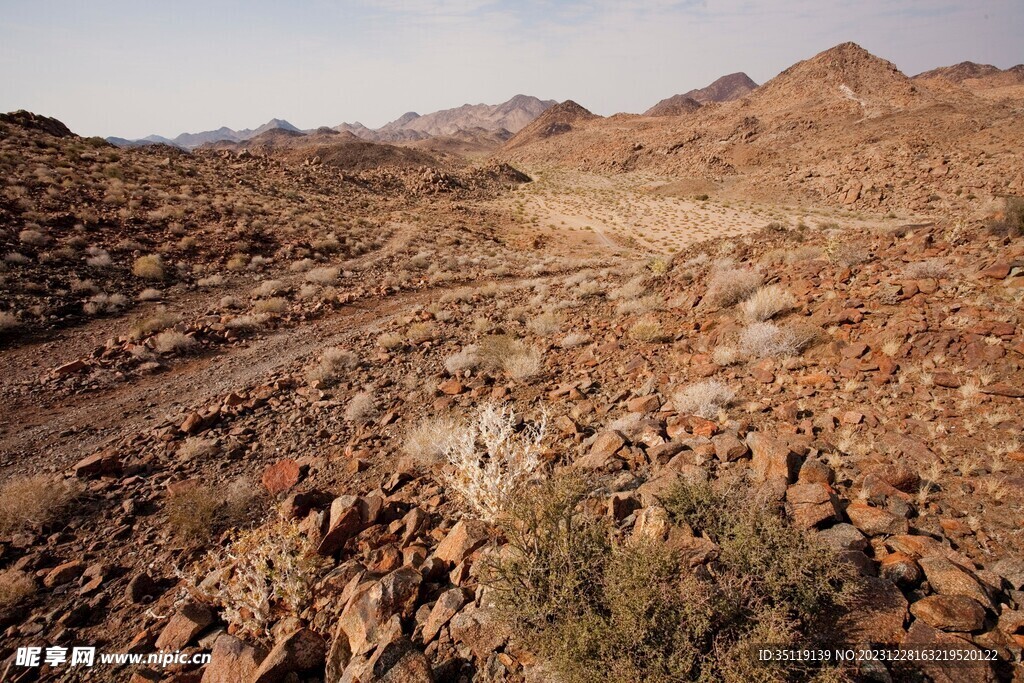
x: 172, y: 341
x: 149, y: 267
x: 731, y: 284
x: 33, y: 502
x: 427, y: 442
x: 704, y: 399
x: 362, y: 408
x: 647, y: 330
x: 768, y: 340
x: 766, y: 303
x: 15, y: 588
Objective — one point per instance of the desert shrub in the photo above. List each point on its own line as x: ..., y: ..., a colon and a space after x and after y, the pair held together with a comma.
x: 275, y: 305
x: 576, y: 339
x: 196, y: 448
x: 32, y: 238
x: 390, y: 341
x: 153, y: 324
x: 237, y: 262
x: 172, y: 341
x: 8, y: 321
x: 33, y: 502
x: 362, y: 408
x: 98, y: 258
x: 505, y: 353
x: 730, y: 284
x: 768, y: 340
x: 598, y: 608
x: 331, y: 366
x: 641, y: 305
x: 704, y: 399
x: 766, y: 303
x: 15, y: 587
x: 1011, y: 224
x: 429, y: 439
x: 150, y: 294
x: 262, y: 575
x: 489, y: 461
x: 929, y: 268
x: 215, y: 280
x: 647, y: 330
x: 269, y: 288
x: 421, y: 332
x: 249, y: 322
x: 660, y: 265
x: 545, y: 324
x: 466, y: 359
x: 325, y: 275
x: 105, y: 303
x: 150, y: 267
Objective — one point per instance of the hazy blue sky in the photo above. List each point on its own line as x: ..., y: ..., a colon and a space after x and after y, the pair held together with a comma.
x: 134, y: 68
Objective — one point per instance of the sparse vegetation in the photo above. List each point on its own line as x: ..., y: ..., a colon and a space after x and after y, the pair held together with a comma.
x: 704, y: 399
x: 149, y: 267
x: 489, y: 461
x: 731, y: 284
x: 766, y: 303
x: 427, y: 442
x: 15, y: 588
x: 362, y: 408
x: 172, y: 341
x: 31, y: 503
x: 602, y: 608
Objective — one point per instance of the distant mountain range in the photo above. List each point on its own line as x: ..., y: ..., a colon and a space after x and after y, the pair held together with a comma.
x: 504, y: 119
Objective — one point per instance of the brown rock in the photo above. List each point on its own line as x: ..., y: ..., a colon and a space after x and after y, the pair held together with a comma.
x: 451, y: 387
x: 62, y: 573
x: 232, y: 661
x: 728, y: 448
x: 946, y: 669
x: 947, y: 578
x: 950, y: 612
x: 901, y: 569
x: 345, y: 521
x: 812, y: 504
x: 97, y: 465
x: 374, y: 603
x: 874, y: 521
x: 188, y: 622
x: 466, y: 536
x: 281, y: 476
x: 602, y: 451
x: 771, y: 458
x: 643, y: 404
x: 446, y: 607
x: 299, y: 652
x: 997, y: 271
x: 877, y: 615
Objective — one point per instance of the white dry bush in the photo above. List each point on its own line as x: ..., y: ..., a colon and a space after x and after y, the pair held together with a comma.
x: 767, y: 302
x: 725, y: 355
x: 325, y: 275
x: 269, y: 288
x: 215, y: 280
x: 466, y: 359
x: 362, y: 408
x: 704, y: 399
x: 489, y: 462
x: 730, y: 283
x: 768, y: 340
x: 634, y: 289
x: 930, y: 268
x: 331, y: 366
x: 427, y: 442
x: 545, y: 324
x: 172, y: 341
x: 576, y: 339
x: 150, y: 294
x: 263, y: 574
x: 524, y: 363
x: 8, y: 321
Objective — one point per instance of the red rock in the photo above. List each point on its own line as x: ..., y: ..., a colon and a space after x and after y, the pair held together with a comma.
x: 1001, y: 389
x: 344, y: 521
x: 232, y: 661
x: 188, y: 622
x: 281, y: 476
x: 63, y: 573
x: 947, y: 669
x: 729, y: 448
x: 71, y: 368
x: 99, y: 464
x: 997, y: 271
x: 901, y: 569
x: 876, y: 616
x: 446, y: 607
x: 451, y: 387
x: 643, y: 404
x: 947, y: 578
x: 950, y: 612
x: 303, y: 651
x: 466, y: 536
x: 874, y: 521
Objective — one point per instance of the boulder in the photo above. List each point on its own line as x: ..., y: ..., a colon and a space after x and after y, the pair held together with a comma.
x: 950, y: 612
x: 466, y: 536
x: 302, y: 651
x: 232, y: 661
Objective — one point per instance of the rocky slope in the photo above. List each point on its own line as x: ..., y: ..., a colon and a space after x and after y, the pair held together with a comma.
x: 844, y: 127
x: 724, y: 89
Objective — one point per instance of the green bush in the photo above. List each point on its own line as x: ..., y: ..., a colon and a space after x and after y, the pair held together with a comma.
x: 598, y: 607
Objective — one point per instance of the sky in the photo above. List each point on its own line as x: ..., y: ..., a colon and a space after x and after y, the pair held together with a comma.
x: 130, y: 69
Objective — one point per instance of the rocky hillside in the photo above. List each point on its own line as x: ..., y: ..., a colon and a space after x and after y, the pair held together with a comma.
x: 844, y: 127
x: 677, y: 105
